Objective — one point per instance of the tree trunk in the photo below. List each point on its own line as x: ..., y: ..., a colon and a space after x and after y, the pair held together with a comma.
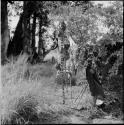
x: 30, y: 35
x: 33, y: 33
x: 26, y: 39
x: 5, y: 35
x: 40, y: 43
x: 16, y: 45
x: 21, y: 39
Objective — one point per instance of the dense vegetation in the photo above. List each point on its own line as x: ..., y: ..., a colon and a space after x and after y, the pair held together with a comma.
x: 26, y: 77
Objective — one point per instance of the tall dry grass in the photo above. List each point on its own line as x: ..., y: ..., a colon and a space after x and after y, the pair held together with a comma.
x: 26, y: 91
x: 29, y: 94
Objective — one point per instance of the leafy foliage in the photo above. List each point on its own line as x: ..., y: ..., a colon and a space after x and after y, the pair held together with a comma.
x: 84, y: 22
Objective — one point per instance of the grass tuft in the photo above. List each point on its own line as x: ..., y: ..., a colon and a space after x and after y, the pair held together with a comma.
x: 29, y: 94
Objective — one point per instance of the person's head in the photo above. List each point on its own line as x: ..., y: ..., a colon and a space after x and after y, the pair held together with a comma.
x: 89, y: 62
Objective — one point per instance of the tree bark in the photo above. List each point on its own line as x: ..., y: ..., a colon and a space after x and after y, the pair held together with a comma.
x: 33, y: 33
x: 5, y: 35
x: 30, y: 35
x: 16, y: 45
x: 21, y: 39
x: 40, y: 43
x: 26, y: 39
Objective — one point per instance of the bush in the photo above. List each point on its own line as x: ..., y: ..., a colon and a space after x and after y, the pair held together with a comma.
x: 24, y: 111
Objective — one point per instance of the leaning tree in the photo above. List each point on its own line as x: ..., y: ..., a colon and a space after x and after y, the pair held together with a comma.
x: 5, y: 34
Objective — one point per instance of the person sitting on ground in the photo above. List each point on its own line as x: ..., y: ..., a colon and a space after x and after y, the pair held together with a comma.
x: 94, y: 83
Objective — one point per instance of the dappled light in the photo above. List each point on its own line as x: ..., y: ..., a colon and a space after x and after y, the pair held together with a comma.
x: 61, y: 62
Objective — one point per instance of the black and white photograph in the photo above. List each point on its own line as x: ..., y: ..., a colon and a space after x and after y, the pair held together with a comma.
x: 61, y: 62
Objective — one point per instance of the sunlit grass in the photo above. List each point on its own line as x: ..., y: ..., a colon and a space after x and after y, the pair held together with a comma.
x: 30, y: 94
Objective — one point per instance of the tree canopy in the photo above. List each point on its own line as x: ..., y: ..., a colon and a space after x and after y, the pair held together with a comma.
x: 94, y: 28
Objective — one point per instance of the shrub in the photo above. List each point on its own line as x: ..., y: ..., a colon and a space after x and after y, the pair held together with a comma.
x: 24, y: 111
